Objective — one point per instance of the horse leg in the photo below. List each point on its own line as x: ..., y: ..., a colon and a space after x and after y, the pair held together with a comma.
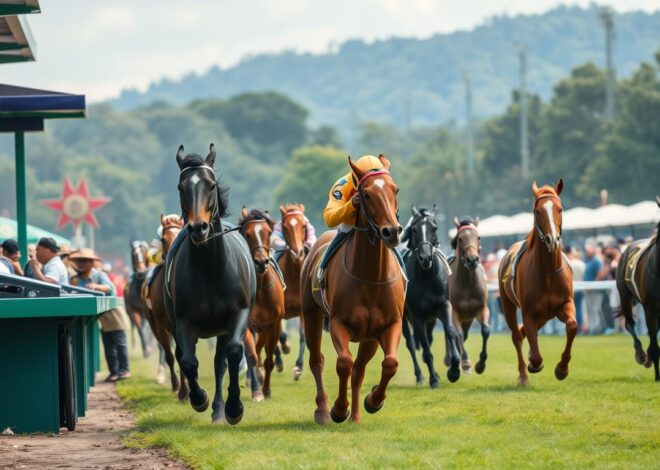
x: 297, y: 370
x: 166, y: 347
x: 184, y: 391
x: 389, y: 342
x: 466, y: 364
x: 271, y: 345
x: 313, y: 335
x: 452, y: 338
x: 235, y: 351
x: 654, y: 350
x: 517, y: 336
x: 340, y: 339
x: 427, y: 355
x: 366, y: 351
x: 626, y: 311
x: 219, y: 367
x: 410, y: 344
x: 187, y: 341
x: 252, y: 360
x: 279, y: 365
x: 567, y: 316
x: 482, y: 318
x: 160, y: 371
x: 284, y: 342
x: 139, y: 325
x: 531, y: 330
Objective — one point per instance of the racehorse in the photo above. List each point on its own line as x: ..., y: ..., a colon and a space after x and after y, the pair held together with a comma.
x: 468, y: 290
x: 210, y: 284
x: 427, y: 298
x: 539, y: 281
x: 639, y: 281
x: 135, y: 306
x: 268, y: 308
x: 294, y: 227
x: 155, y: 306
x: 362, y: 294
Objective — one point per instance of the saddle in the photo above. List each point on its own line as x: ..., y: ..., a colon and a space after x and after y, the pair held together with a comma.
x: 636, y: 252
x: 437, y: 253
x: 509, y: 274
x: 276, y: 267
x: 319, y: 280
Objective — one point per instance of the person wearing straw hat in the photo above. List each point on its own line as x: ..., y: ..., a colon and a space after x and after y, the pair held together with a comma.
x: 113, y: 326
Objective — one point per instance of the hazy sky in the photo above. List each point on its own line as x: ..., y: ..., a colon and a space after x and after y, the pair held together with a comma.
x: 98, y: 47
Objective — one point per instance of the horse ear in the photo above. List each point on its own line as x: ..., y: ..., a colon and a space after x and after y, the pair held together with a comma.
x: 244, y: 212
x: 210, y: 158
x: 559, y: 186
x: 384, y: 160
x: 435, y: 206
x: 302, y: 207
x: 180, y: 155
x: 162, y: 220
x: 356, y: 171
x: 414, y: 210
x: 535, y: 188
x: 657, y: 200
x: 282, y: 210
x: 456, y: 222
x: 476, y: 222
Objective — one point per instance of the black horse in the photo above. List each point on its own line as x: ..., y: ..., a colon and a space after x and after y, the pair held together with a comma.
x: 427, y: 298
x: 210, y: 285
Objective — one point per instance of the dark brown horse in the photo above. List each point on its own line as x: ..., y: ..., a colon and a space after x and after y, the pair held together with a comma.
x: 155, y: 306
x: 135, y: 306
x: 363, y: 298
x: 268, y: 309
x: 639, y: 281
x: 468, y: 290
x: 541, y: 285
x: 294, y: 227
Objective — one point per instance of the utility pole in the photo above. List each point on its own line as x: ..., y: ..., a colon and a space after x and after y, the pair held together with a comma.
x: 524, y: 140
x: 607, y: 18
x: 469, y: 147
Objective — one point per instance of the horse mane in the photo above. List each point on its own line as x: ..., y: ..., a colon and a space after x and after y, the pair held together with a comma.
x: 193, y: 160
x: 172, y: 219
x: 462, y: 222
x: 256, y: 214
x: 295, y: 206
x: 544, y: 190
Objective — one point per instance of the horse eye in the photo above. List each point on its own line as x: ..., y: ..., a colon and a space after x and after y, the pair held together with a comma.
x: 366, y: 195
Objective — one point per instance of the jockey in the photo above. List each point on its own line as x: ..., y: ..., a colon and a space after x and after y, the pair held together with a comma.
x: 343, y: 204
x: 155, y: 251
x: 278, y: 243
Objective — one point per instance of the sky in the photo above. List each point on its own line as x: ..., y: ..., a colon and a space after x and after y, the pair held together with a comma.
x: 99, y: 47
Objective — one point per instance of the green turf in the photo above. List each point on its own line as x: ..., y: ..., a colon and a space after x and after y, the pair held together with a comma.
x: 606, y: 414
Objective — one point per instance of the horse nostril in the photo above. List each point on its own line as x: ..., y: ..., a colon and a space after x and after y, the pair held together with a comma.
x: 204, y: 226
x: 400, y: 230
x: 387, y: 233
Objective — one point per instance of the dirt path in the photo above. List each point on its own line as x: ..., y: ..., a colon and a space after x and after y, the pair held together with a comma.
x: 94, y: 444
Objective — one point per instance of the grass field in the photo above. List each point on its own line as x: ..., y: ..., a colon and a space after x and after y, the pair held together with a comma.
x: 606, y: 414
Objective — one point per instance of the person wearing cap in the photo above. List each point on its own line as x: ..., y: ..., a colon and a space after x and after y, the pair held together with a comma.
x: 11, y: 257
x: 47, y: 266
x: 113, y: 326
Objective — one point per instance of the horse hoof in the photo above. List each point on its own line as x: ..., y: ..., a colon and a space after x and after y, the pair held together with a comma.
x: 219, y: 421
x: 286, y: 347
x: 648, y: 363
x: 160, y: 375
x: 420, y: 380
x: 434, y: 384
x: 321, y: 417
x: 201, y: 406
x: 523, y: 381
x: 453, y: 374
x: 234, y: 419
x: 560, y: 374
x: 466, y: 365
x: 297, y: 372
x: 641, y: 358
x: 258, y: 397
x: 371, y: 409
x: 480, y: 367
x: 337, y: 418
x: 535, y: 370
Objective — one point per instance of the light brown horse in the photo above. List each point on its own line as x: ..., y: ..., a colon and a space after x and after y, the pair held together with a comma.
x: 542, y: 286
x: 468, y: 290
x: 364, y: 298
x: 640, y: 282
x: 268, y: 309
x: 294, y: 228
x: 155, y: 308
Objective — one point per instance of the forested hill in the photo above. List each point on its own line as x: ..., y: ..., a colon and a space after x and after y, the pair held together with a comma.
x: 363, y: 81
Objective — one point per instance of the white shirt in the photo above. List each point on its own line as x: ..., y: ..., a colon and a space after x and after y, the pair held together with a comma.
x: 56, y: 270
x: 4, y: 269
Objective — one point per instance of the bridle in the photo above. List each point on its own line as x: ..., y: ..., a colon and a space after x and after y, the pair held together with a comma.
x: 546, y: 240
x: 462, y: 249
x: 423, y: 242
x: 371, y: 225
x: 260, y: 245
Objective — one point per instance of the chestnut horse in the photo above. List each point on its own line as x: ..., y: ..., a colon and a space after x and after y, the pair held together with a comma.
x: 542, y: 284
x: 468, y: 290
x: 268, y: 308
x: 155, y: 306
x: 363, y: 298
x: 135, y: 306
x: 643, y: 286
x: 294, y: 228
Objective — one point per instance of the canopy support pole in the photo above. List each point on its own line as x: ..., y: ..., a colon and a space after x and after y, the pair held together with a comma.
x: 21, y: 197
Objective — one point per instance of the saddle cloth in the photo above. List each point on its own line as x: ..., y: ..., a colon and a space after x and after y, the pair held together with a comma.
x: 318, y: 280
x: 636, y: 252
x: 146, y: 286
x: 278, y: 271
x: 511, y: 263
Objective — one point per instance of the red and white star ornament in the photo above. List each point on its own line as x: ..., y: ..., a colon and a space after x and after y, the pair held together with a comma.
x: 75, y: 206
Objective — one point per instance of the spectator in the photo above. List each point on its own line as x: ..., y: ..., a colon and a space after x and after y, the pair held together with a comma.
x: 53, y: 270
x: 593, y: 266
x: 113, y: 328
x: 32, y: 253
x: 577, y: 266
x: 11, y: 252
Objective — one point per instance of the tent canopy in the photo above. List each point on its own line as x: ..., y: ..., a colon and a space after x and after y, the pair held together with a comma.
x: 8, y: 230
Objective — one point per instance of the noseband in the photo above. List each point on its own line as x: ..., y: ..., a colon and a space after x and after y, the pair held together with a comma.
x: 371, y: 225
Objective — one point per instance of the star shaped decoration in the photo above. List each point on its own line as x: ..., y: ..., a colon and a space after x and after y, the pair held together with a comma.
x: 75, y: 205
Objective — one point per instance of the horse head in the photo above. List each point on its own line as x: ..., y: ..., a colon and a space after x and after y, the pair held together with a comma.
x: 138, y: 258
x: 294, y: 228
x: 203, y: 199
x: 257, y: 227
x: 170, y: 225
x: 378, y: 202
x: 423, y: 235
x: 467, y: 242
x: 548, y: 214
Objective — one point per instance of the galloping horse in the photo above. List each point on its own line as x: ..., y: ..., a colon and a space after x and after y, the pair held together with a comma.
x: 294, y: 227
x: 135, y: 306
x: 155, y: 303
x: 539, y: 281
x: 468, y: 290
x: 362, y: 294
x: 268, y: 309
x: 210, y: 284
x: 638, y: 280
x: 427, y: 298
